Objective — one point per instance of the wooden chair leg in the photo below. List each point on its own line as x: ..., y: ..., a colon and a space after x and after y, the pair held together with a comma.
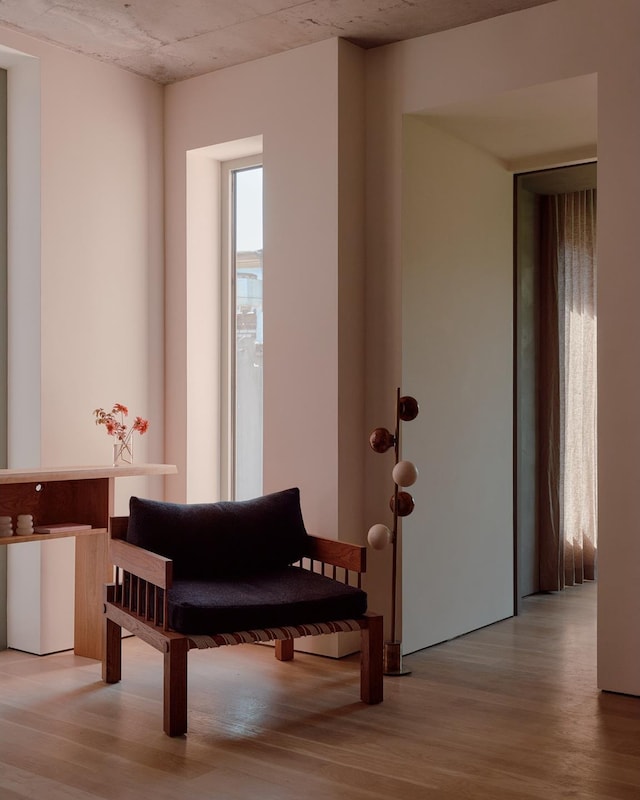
x: 112, y: 644
x: 284, y: 649
x: 371, y: 682
x: 175, y: 687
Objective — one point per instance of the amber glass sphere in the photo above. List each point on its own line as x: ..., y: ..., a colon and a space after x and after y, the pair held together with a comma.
x: 407, y: 408
x: 381, y: 440
x: 405, y: 504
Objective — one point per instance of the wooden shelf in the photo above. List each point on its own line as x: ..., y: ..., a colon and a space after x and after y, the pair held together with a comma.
x: 42, y: 474
x: 84, y: 494
x: 43, y: 537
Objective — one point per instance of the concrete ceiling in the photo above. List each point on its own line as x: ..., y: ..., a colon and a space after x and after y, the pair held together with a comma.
x: 170, y: 40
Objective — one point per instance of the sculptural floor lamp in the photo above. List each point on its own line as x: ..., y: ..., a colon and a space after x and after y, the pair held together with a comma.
x: 404, y: 474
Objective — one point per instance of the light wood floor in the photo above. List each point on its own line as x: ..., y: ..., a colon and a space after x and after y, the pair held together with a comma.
x: 511, y: 711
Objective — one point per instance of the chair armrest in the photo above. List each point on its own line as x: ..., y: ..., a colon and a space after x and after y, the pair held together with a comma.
x: 352, y: 557
x: 142, y: 563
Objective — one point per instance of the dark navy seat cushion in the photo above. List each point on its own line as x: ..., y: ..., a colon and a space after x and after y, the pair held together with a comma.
x: 289, y: 596
x: 220, y: 540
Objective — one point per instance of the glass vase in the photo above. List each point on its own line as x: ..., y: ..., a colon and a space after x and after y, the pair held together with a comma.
x: 122, y: 452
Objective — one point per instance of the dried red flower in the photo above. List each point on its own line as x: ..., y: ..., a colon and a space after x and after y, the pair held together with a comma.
x: 141, y: 425
x: 114, y: 422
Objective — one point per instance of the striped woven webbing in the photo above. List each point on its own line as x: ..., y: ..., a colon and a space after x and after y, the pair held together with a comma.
x: 269, y: 634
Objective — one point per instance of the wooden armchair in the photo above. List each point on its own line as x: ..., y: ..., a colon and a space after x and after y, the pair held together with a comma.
x: 155, y: 598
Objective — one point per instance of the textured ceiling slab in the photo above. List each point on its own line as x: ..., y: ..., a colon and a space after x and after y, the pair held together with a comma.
x: 170, y: 40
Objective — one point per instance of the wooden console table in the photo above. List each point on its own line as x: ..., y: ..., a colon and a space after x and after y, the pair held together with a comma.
x: 74, y: 494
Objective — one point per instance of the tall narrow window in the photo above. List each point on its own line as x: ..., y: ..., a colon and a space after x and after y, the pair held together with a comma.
x: 244, y: 330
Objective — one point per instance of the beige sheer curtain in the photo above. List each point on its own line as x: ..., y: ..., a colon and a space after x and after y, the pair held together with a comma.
x: 568, y: 412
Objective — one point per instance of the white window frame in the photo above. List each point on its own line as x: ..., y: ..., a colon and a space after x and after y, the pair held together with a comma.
x: 228, y: 399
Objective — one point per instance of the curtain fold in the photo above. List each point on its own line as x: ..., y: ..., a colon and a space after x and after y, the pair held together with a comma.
x: 567, y: 381
x: 550, y: 547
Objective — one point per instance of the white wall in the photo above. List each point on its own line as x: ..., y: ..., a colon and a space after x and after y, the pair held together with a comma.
x: 457, y: 259
x: 552, y: 42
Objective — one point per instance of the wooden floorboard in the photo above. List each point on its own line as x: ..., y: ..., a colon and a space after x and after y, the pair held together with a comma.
x: 509, y: 712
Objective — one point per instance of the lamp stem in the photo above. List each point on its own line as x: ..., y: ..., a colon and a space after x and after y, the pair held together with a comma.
x: 394, y: 565
x: 392, y: 655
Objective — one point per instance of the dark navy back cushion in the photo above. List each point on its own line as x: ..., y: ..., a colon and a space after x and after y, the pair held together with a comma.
x: 226, y: 539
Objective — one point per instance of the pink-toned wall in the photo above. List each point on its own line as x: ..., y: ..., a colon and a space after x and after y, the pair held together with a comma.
x: 85, y: 291
x: 308, y: 107
x: 552, y: 42
x: 102, y: 294
x: 313, y: 267
x: 88, y: 321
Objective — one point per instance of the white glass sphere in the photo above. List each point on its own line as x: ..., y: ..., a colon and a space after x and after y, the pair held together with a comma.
x: 405, y: 473
x: 379, y: 536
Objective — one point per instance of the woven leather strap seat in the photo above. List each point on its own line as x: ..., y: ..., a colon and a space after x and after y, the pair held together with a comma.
x: 274, y: 634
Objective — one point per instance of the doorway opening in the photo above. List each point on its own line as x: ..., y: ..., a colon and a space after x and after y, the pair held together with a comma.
x: 555, y: 410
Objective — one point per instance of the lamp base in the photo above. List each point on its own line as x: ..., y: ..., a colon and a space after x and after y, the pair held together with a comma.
x: 392, y: 659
